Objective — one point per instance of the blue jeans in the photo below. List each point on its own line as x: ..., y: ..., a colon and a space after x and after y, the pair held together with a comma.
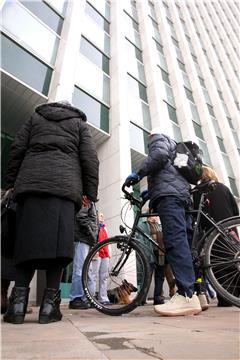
x: 176, y: 225
x: 80, y: 253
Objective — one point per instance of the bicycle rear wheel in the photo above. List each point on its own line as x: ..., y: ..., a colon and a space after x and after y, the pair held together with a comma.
x: 127, y: 277
x: 222, y: 261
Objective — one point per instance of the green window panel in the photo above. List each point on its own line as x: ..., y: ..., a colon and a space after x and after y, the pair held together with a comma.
x: 25, y: 66
x: 137, y: 89
x: 177, y: 134
x: 139, y: 139
x: 97, y: 113
x: 99, y: 19
x: 45, y: 13
x: 165, y: 76
x: 221, y: 144
x: 210, y: 110
x: 189, y: 94
x: 172, y: 113
x: 198, y: 130
x: 94, y: 55
x: 233, y: 186
x: 133, y: 51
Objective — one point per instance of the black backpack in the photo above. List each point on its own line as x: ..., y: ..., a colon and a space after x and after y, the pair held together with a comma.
x: 188, y: 161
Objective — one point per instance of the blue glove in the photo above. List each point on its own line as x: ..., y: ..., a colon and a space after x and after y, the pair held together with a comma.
x: 144, y: 195
x: 132, y: 179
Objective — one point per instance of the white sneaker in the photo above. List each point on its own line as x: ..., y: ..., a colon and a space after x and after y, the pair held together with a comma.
x: 203, y: 301
x: 179, y: 305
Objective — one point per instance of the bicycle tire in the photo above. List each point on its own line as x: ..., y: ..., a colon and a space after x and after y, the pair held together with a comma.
x: 222, y: 261
x: 133, y: 268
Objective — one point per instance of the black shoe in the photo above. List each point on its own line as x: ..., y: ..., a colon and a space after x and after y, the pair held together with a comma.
x: 50, y: 307
x: 4, y: 295
x: 78, y: 303
x: 158, y: 301
x: 17, y: 307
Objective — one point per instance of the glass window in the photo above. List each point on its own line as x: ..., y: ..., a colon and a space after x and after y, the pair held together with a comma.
x: 136, y: 69
x: 138, y: 112
x: 152, y: 11
x: 92, y: 79
x: 177, y: 135
x: 203, y: 147
x: 96, y: 35
x: 194, y: 112
x: 165, y: 76
x: 181, y: 65
x: 102, y: 6
x: 130, y: 8
x: 172, y: 113
x: 133, y: 51
x: 138, y: 138
x: 163, y: 63
x: 156, y: 33
x: 228, y: 165
x: 233, y: 186
x: 104, y: 24
x: 94, y: 55
x: 216, y: 127
x: 221, y: 144
x: 202, y: 81
x: 45, y: 13
x: 198, y: 130
x: 189, y: 94
x: 186, y: 80
x: 39, y: 39
x: 131, y: 33
x: 97, y: 113
x: 210, y: 110
x: 207, y: 97
x: 159, y: 47
x: 170, y: 96
x: 137, y: 89
x: 59, y: 5
x: 132, y: 22
x: 24, y: 66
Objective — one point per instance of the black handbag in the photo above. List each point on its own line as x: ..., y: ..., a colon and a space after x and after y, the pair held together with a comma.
x: 8, y: 225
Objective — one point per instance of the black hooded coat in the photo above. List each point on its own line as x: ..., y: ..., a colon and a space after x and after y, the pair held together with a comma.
x: 54, y: 153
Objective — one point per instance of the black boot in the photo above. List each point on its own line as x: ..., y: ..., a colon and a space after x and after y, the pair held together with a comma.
x: 50, y: 306
x: 4, y: 295
x: 17, y: 305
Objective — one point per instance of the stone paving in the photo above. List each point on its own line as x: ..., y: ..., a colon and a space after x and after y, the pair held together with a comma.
x: 139, y: 335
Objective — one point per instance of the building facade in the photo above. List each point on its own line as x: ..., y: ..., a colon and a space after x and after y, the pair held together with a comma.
x: 130, y: 66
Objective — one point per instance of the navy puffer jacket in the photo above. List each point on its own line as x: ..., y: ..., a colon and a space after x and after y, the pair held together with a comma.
x: 163, y: 178
x: 54, y: 153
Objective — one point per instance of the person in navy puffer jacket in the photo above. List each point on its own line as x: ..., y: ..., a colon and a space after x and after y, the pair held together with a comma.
x: 169, y: 194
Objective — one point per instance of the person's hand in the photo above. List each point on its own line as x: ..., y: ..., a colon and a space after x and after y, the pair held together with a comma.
x: 85, y: 201
x: 132, y: 179
x: 144, y: 195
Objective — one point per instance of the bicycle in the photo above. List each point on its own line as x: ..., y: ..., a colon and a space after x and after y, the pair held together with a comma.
x: 216, y: 254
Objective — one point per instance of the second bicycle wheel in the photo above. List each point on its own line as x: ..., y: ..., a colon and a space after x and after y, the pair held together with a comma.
x: 222, y: 261
x: 122, y: 282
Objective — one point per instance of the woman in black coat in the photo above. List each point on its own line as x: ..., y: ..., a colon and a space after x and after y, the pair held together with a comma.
x: 220, y: 203
x: 53, y: 168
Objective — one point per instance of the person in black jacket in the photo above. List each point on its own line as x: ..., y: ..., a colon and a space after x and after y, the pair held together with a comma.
x: 220, y: 204
x: 86, y: 235
x: 53, y: 163
x: 169, y: 194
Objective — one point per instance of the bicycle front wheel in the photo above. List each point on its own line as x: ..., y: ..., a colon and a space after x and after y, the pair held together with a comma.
x: 222, y: 260
x: 119, y: 288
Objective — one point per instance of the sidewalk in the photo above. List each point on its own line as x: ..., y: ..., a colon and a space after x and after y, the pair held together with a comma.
x: 141, y: 334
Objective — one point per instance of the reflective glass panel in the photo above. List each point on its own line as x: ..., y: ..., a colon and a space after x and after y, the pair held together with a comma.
x: 189, y: 94
x: 39, y: 38
x: 130, y: 32
x: 94, y: 55
x: 172, y: 113
x: 138, y: 112
x: 228, y: 165
x: 170, y: 96
x: 177, y: 135
x: 59, y: 5
x: 102, y: 23
x: 133, y: 51
x: 24, y: 66
x: 138, y: 138
x: 221, y: 144
x: 45, y: 13
x: 137, y: 89
x: 194, y: 112
x: 96, y: 35
x: 198, y: 130
x: 102, y: 6
x: 97, y: 113
x: 203, y: 147
x: 91, y: 78
x: 233, y: 186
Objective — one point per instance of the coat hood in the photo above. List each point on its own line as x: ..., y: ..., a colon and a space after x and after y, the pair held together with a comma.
x: 57, y: 111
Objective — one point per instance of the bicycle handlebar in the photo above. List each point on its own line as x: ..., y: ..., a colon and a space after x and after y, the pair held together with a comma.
x: 133, y: 200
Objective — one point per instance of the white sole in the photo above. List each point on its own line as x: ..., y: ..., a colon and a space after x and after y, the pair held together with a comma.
x: 186, y: 312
